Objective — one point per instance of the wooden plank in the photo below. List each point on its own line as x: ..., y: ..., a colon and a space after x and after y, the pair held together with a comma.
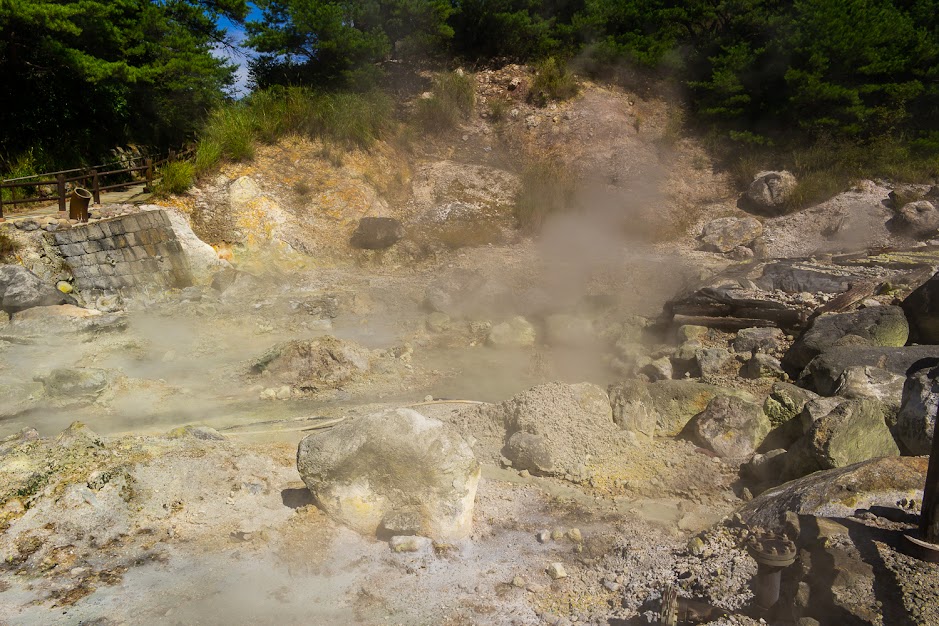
x: 723, y: 323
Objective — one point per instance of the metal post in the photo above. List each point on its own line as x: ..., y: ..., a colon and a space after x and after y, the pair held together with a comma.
x: 772, y: 554
x: 60, y: 188
x: 929, y: 518
x: 95, y: 187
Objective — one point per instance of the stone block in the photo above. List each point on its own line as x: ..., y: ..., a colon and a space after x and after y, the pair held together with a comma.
x: 90, y: 246
x: 151, y: 249
x: 106, y: 269
x: 94, y: 232
x: 100, y: 257
x: 117, y: 227
x: 71, y: 250
x: 130, y: 224
x: 120, y: 241
x: 131, y: 239
x: 105, y: 228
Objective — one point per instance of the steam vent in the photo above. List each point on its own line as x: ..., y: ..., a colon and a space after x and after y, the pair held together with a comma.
x: 561, y: 341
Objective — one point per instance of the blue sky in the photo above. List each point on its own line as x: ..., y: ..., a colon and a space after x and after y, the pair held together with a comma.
x: 240, y: 56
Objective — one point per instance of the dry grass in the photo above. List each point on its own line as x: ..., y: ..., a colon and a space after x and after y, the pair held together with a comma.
x: 547, y: 187
x: 452, y: 99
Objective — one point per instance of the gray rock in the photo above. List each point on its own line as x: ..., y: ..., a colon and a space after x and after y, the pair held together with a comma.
x: 410, y: 543
x: 770, y: 191
x: 783, y: 407
x: 730, y: 427
x: 658, y: 369
x: 711, y: 361
x: 876, y: 326
x: 20, y: 289
x: 377, y: 233
x: 203, y: 433
x: 662, y: 408
x: 916, y: 419
x: 922, y: 311
x: 802, y: 277
x: 765, y: 468
x: 12, y: 442
x: 74, y: 386
x: 758, y: 340
x: 876, y: 384
x: 529, y: 452
x: 762, y: 366
x: 726, y: 233
x: 852, y: 432
x: 825, y: 373
x: 313, y: 365
x: 838, y: 493
x: 515, y: 333
x: 362, y: 470
x: 918, y: 219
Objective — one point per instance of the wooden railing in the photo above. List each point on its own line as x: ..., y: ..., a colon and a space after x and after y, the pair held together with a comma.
x: 91, y: 178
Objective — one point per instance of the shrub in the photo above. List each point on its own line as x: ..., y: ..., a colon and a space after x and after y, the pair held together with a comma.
x: 453, y: 98
x: 352, y: 119
x: 552, y: 81
x: 176, y: 177
x: 498, y: 110
x: 547, y: 187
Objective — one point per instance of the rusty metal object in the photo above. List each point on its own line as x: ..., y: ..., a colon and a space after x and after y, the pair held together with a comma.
x: 772, y: 554
x: 926, y: 545
x: 676, y: 611
x: 78, y: 204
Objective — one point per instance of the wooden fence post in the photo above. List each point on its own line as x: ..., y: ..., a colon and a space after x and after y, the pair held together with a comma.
x: 60, y: 188
x: 95, y: 187
x: 1, y: 204
x: 149, y: 163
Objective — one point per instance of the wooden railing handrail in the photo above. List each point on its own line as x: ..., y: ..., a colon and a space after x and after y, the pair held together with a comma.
x: 87, y: 173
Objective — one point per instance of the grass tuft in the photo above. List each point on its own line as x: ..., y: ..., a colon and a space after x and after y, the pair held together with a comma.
x: 349, y: 119
x: 547, y: 187
x: 176, y: 177
x: 452, y: 99
x: 553, y: 81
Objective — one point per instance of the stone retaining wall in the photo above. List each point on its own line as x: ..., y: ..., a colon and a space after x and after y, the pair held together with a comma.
x: 124, y: 253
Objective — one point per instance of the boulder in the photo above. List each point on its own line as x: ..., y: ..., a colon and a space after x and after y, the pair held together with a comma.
x: 365, y: 470
x: 711, y: 361
x: 758, y: 340
x: 806, y: 277
x: 770, y: 191
x: 515, y: 333
x: 204, y: 261
x: 876, y: 384
x: 730, y: 427
x: 74, y: 386
x: 312, y: 365
x: 662, y: 408
x: 762, y: 366
x: 853, y: 431
x: 916, y: 419
x: 922, y: 311
x: 529, y: 452
x: 555, y: 428
x: 726, y: 233
x: 825, y: 373
x: 20, y: 289
x: 918, y: 219
x: 838, y: 493
x: 658, y: 369
x: 875, y: 326
x: 377, y: 233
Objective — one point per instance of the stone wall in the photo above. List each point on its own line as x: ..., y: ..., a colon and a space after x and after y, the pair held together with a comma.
x: 124, y: 253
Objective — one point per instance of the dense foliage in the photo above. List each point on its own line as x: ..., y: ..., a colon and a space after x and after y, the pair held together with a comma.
x: 757, y: 69
x: 83, y: 76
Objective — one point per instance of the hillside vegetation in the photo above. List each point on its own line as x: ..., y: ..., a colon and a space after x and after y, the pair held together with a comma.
x: 835, y: 89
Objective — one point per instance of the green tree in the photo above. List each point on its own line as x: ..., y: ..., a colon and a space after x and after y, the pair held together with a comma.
x: 83, y: 76
x: 342, y: 43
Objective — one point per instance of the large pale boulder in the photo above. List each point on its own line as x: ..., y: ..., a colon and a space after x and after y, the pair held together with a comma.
x: 204, y: 261
x: 840, y: 492
x: 884, y: 326
x: 730, y: 427
x: 662, y: 408
x: 377, y: 468
x: 853, y: 431
x: 770, y: 191
x: 726, y: 233
x: 514, y: 333
x: 916, y: 420
x: 312, y: 365
x: 20, y: 289
x: 918, y: 219
x: 825, y: 374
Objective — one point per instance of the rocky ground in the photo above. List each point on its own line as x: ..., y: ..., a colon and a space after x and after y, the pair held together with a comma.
x: 495, y: 428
